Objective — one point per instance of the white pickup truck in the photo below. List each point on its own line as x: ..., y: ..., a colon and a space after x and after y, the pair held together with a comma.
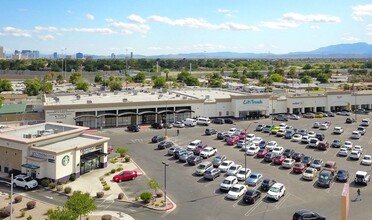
x: 208, y: 152
x: 25, y: 182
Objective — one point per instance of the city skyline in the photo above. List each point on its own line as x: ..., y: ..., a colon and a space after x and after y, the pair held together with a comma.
x: 180, y: 26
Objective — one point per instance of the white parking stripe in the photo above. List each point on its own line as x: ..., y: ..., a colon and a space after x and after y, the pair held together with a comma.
x: 236, y: 203
x: 253, y: 208
x: 330, y: 187
x: 282, y: 201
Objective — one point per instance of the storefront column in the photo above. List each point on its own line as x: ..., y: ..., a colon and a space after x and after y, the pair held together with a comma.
x: 103, y: 159
x: 77, y: 163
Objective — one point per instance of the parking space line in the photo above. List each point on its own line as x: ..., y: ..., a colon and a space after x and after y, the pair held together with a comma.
x: 237, y: 202
x: 253, y: 208
x: 370, y: 141
x: 330, y: 187
x: 282, y: 201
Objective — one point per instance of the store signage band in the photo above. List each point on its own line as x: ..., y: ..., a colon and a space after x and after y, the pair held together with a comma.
x: 252, y: 102
x: 41, y: 155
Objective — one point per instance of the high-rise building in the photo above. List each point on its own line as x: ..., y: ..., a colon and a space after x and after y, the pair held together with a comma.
x: 79, y: 55
x: 35, y: 54
x: 113, y: 56
x: 131, y: 55
x: 2, y: 52
x: 55, y: 55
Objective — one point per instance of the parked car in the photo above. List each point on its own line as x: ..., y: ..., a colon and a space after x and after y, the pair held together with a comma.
x: 280, y: 118
x: 296, y: 138
x: 320, y: 136
x: 269, y: 157
x: 210, y: 131
x: 208, y: 152
x: 178, y: 124
x: 203, y: 121
x: 354, y: 155
x: 293, y: 117
x: 348, y: 145
x: 199, y: 148
x: 125, y: 175
x: 323, y: 145
x: 237, y: 191
x: 221, y: 135
x: 336, y: 143
x: 331, y: 166
x: 157, y: 125
x: 349, y: 120
x: 218, y: 160
x: 133, y: 128
x: 227, y: 183
x: 365, y: 122
x: 355, y: 135
x: 367, y: 160
x: 342, y: 175
x: 308, y: 115
x: 288, y: 152
x: 361, y: 130
x: 165, y: 144
x: 193, y: 145
x: 316, y: 125
x: 302, y: 132
x: 358, y: 148
x: 299, y: 167
x: 233, y: 169
x: 318, y: 115
x: 309, y: 173
x: 212, y: 174
x: 278, y: 150
x: 305, y: 139
x: 24, y: 181
x: 343, y: 113
x: 313, y: 143
x: 243, y: 173
x: 288, y: 134
x: 267, y: 184
x: 330, y: 114
x: 271, y: 144
x: 297, y: 156
x: 252, y: 150
x: 184, y: 156
x: 325, y: 179
x: 262, y: 153
x: 178, y: 152
x: 362, y: 177
x: 251, y: 196
x: 225, y: 165
x: 229, y: 121
x: 193, y: 160
x: 275, y: 129
x: 276, y: 191
x: 307, y: 214
x: 343, y: 152
x: 218, y: 121
x: 232, y: 140
x: 260, y: 127
x: 288, y: 163
x: 254, y: 179
x: 202, y: 167
x: 157, y: 138
x: 307, y: 160
x: 267, y: 128
x: 278, y: 159
x: 338, y: 130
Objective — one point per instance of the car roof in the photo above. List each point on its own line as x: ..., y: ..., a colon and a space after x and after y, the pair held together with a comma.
x: 278, y: 185
x: 363, y: 173
x: 230, y: 178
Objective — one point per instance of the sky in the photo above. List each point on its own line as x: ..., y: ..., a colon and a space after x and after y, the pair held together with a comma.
x: 153, y: 27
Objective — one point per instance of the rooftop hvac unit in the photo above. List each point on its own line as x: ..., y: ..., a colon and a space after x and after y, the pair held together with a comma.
x: 78, y: 97
x: 27, y: 135
x: 135, y: 92
x: 90, y: 94
x: 89, y: 102
x: 207, y: 97
x: 178, y: 95
x: 104, y: 94
x: 125, y: 100
x: 56, y: 99
x: 152, y: 93
x: 40, y: 132
x: 99, y: 94
x: 116, y: 92
x: 160, y: 95
x: 185, y: 97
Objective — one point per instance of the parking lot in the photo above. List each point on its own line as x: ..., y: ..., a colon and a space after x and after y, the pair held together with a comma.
x: 197, y: 198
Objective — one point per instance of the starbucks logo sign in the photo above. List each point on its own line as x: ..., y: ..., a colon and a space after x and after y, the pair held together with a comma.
x: 65, y: 160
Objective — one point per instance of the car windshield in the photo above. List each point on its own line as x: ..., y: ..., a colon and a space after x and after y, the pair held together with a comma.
x: 328, y: 166
x: 225, y: 164
x: 316, y: 161
x: 313, y: 141
x: 242, y: 171
x: 324, y: 176
x: 217, y: 159
x: 298, y: 165
x: 309, y: 171
x: 226, y: 181
x: 27, y: 179
x: 233, y: 168
x: 253, y: 176
x: 249, y: 193
x: 235, y: 189
x: 252, y: 148
x: 274, y: 189
x: 192, y: 144
x: 201, y: 166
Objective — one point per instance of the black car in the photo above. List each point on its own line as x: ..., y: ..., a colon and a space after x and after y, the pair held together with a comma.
x: 288, y: 152
x: 320, y: 136
x: 193, y: 160
x: 260, y: 127
x: 342, y: 175
x: 270, y: 157
x: 307, y: 160
x: 229, y: 121
x: 361, y: 111
x: 306, y: 214
x: 262, y: 144
x: 350, y: 120
x: 219, y: 121
x: 221, y: 135
x: 157, y: 138
x: 288, y: 134
x: 297, y: 156
x: 266, y: 184
x: 325, y: 179
x: 251, y: 196
x: 157, y: 125
x: 165, y: 144
x: 210, y: 131
x: 280, y: 118
x: 133, y: 128
x: 336, y: 143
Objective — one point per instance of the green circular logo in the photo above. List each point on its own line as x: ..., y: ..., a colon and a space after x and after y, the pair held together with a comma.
x: 65, y: 160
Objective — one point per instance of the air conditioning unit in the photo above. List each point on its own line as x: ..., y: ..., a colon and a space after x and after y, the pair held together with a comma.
x: 99, y: 94
x: 185, y: 97
x: 89, y: 102
x: 178, y: 95
x: 152, y: 93
x: 78, y: 97
x: 207, y: 97
x: 125, y: 100
x: 40, y: 132
x: 104, y: 94
x: 135, y: 92
x: 116, y: 92
x: 56, y: 99
x: 90, y: 94
x: 27, y: 135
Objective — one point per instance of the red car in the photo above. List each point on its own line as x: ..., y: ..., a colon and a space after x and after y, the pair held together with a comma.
x: 323, y: 145
x: 125, y: 175
x: 232, y: 140
x: 242, y: 135
x: 299, y: 167
x: 278, y: 160
x: 262, y: 153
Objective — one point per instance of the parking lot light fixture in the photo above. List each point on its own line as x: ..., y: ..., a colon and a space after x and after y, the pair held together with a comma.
x: 165, y: 182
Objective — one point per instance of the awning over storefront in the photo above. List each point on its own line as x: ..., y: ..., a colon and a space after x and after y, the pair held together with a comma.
x: 30, y: 166
x: 92, y: 155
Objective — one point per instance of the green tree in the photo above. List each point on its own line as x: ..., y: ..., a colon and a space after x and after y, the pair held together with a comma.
x: 140, y: 77
x: 307, y: 66
x: 5, y: 85
x: 292, y: 72
x: 75, y: 77
x: 115, y: 84
x: 276, y: 77
x: 82, y: 85
x: 32, y: 87
x: 153, y: 184
x: 306, y: 79
x: 60, y: 79
x: 46, y: 87
x: 98, y: 78
x: 159, y: 82
x: 62, y: 214
x: 322, y: 78
x: 1, y: 101
x: 80, y: 203
x: 266, y: 80
x: 243, y: 79
x: 167, y: 71
x: 122, y: 151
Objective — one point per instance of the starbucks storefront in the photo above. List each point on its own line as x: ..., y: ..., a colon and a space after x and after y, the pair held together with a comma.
x: 91, y: 158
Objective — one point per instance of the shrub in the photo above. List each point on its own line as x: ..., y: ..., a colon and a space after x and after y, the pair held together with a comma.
x: 23, y: 213
x: 49, y: 211
x: 114, y: 160
x: 100, y: 194
x: 106, y: 217
x: 45, y: 182
x: 5, y: 212
x: 17, y: 199
x: 59, y: 188
x: 121, y: 196
x: 159, y: 193
x: 101, y: 178
x: 106, y: 187
x: 108, y: 173
x: 31, y: 204
x: 73, y: 177
x: 68, y: 190
x: 52, y: 185
x: 119, y: 169
x: 157, y: 205
x: 127, y: 158
x: 29, y: 217
x: 137, y: 198
x: 146, y: 196
x: 59, y: 182
x: 112, y: 171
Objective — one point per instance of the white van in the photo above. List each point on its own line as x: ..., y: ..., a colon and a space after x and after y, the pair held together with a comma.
x: 190, y: 122
x: 365, y: 122
x: 203, y: 121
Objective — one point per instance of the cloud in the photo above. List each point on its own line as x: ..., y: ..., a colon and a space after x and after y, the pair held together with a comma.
x: 89, y: 30
x: 155, y: 48
x: 207, y: 46
x: 15, y: 32
x: 359, y: 11
x: 369, y: 27
x: 350, y: 39
x: 280, y: 24
x: 201, y: 23
x: 127, y: 28
x: 49, y: 29
x: 227, y: 12
x: 300, y: 18
x: 69, y: 12
x: 89, y: 17
x: 136, y: 19
x: 46, y: 37
x: 109, y: 19
x: 314, y: 27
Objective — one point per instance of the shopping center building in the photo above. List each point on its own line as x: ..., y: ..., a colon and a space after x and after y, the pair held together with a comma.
x: 122, y: 108
x: 51, y: 150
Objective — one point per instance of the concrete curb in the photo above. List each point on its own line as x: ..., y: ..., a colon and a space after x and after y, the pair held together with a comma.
x: 136, y: 165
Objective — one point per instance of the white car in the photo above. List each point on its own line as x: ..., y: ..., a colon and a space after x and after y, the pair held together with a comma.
x: 250, y: 137
x: 294, y: 117
x: 231, y: 131
x: 311, y: 134
x: 24, y: 181
x: 348, y: 145
x: 193, y: 144
x: 367, y: 160
x: 343, y: 152
x: 296, y: 138
x: 247, y: 146
x: 365, y: 122
x: 225, y: 165
x: 354, y: 155
x: 324, y: 126
x: 283, y: 125
x: 256, y: 141
x: 313, y: 143
x: 278, y: 150
x: 355, y: 135
x: 252, y: 150
x: 236, y: 191
x: 358, y: 148
x: 305, y: 139
x: 338, y: 130
x: 208, y: 152
x: 316, y: 125
x: 243, y: 173
x: 276, y: 191
x: 271, y: 145
x: 233, y: 170
x: 343, y: 113
x: 178, y: 124
x: 288, y: 163
x: 228, y: 182
x: 309, y: 173
x: 281, y: 132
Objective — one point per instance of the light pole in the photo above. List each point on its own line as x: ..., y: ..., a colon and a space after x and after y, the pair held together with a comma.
x: 165, y: 182
x: 165, y: 124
